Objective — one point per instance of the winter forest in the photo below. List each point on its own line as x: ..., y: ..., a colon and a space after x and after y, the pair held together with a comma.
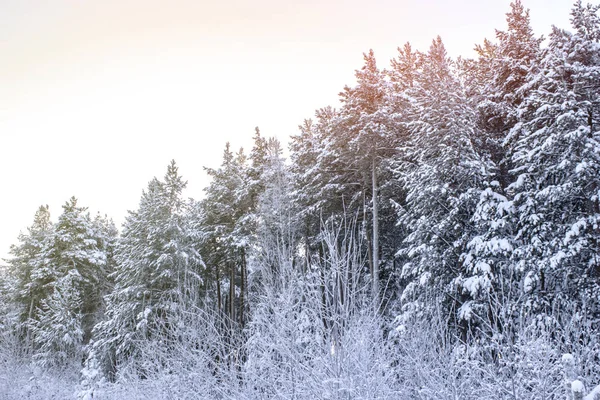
x: 436, y: 236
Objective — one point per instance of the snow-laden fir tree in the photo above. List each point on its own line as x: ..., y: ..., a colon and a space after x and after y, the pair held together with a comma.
x: 226, y: 224
x: 317, y: 190
x: 557, y: 172
x: 23, y: 292
x: 72, y: 269
x: 157, y: 277
x: 497, y: 83
x: 443, y: 175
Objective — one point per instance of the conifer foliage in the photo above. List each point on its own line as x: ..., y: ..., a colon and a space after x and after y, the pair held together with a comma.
x: 556, y: 165
x: 158, y: 275
x: 62, y: 270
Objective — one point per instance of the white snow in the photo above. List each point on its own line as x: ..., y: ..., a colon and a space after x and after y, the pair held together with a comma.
x: 577, y: 386
x: 594, y: 394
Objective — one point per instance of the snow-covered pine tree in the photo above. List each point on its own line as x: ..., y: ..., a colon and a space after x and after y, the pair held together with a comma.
x: 497, y: 82
x: 227, y: 228
x: 156, y: 279
x: 557, y: 173
x: 71, y: 269
x: 59, y: 330
x: 517, y: 55
x: 443, y: 176
x: 402, y: 74
x: 366, y: 135
x: 317, y: 190
x: 23, y: 292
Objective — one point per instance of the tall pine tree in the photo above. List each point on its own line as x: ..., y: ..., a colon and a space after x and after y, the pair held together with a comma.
x: 158, y: 276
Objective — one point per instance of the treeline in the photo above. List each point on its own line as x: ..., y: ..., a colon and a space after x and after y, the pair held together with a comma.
x: 436, y: 235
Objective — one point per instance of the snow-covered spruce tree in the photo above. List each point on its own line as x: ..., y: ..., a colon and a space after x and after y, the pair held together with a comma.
x: 505, y: 69
x: 487, y: 281
x: 557, y: 173
x: 497, y: 82
x: 107, y: 235
x: 517, y: 56
x: 22, y: 293
x: 318, y: 190
x: 227, y: 229
x: 443, y: 176
x: 59, y: 333
x: 72, y: 269
x: 157, y: 278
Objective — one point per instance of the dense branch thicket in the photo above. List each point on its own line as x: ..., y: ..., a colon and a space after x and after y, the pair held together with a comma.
x: 436, y: 236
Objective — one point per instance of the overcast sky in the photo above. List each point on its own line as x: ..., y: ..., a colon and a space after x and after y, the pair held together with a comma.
x: 97, y: 96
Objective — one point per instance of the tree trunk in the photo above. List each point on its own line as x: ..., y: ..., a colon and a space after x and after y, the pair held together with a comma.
x: 306, y: 265
x: 322, y: 290
x: 242, y: 287
x: 375, y: 238
x: 29, y: 338
x: 366, y: 230
x: 218, y: 288
x: 231, y: 290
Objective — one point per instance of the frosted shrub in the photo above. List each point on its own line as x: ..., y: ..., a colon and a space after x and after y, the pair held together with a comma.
x: 316, y: 334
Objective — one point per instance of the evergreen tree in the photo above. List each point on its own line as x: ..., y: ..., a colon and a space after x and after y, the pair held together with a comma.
x: 443, y: 177
x: 366, y: 135
x: 226, y: 229
x: 157, y: 276
x: 72, y: 269
x: 518, y: 56
x: 317, y: 192
x: 511, y: 62
x: 258, y: 159
x: 556, y: 172
x: 276, y: 222
x: 59, y: 331
x: 403, y: 73
x: 498, y: 82
x: 25, y: 292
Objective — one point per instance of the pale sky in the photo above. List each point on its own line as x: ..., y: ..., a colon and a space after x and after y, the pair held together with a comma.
x: 97, y: 96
